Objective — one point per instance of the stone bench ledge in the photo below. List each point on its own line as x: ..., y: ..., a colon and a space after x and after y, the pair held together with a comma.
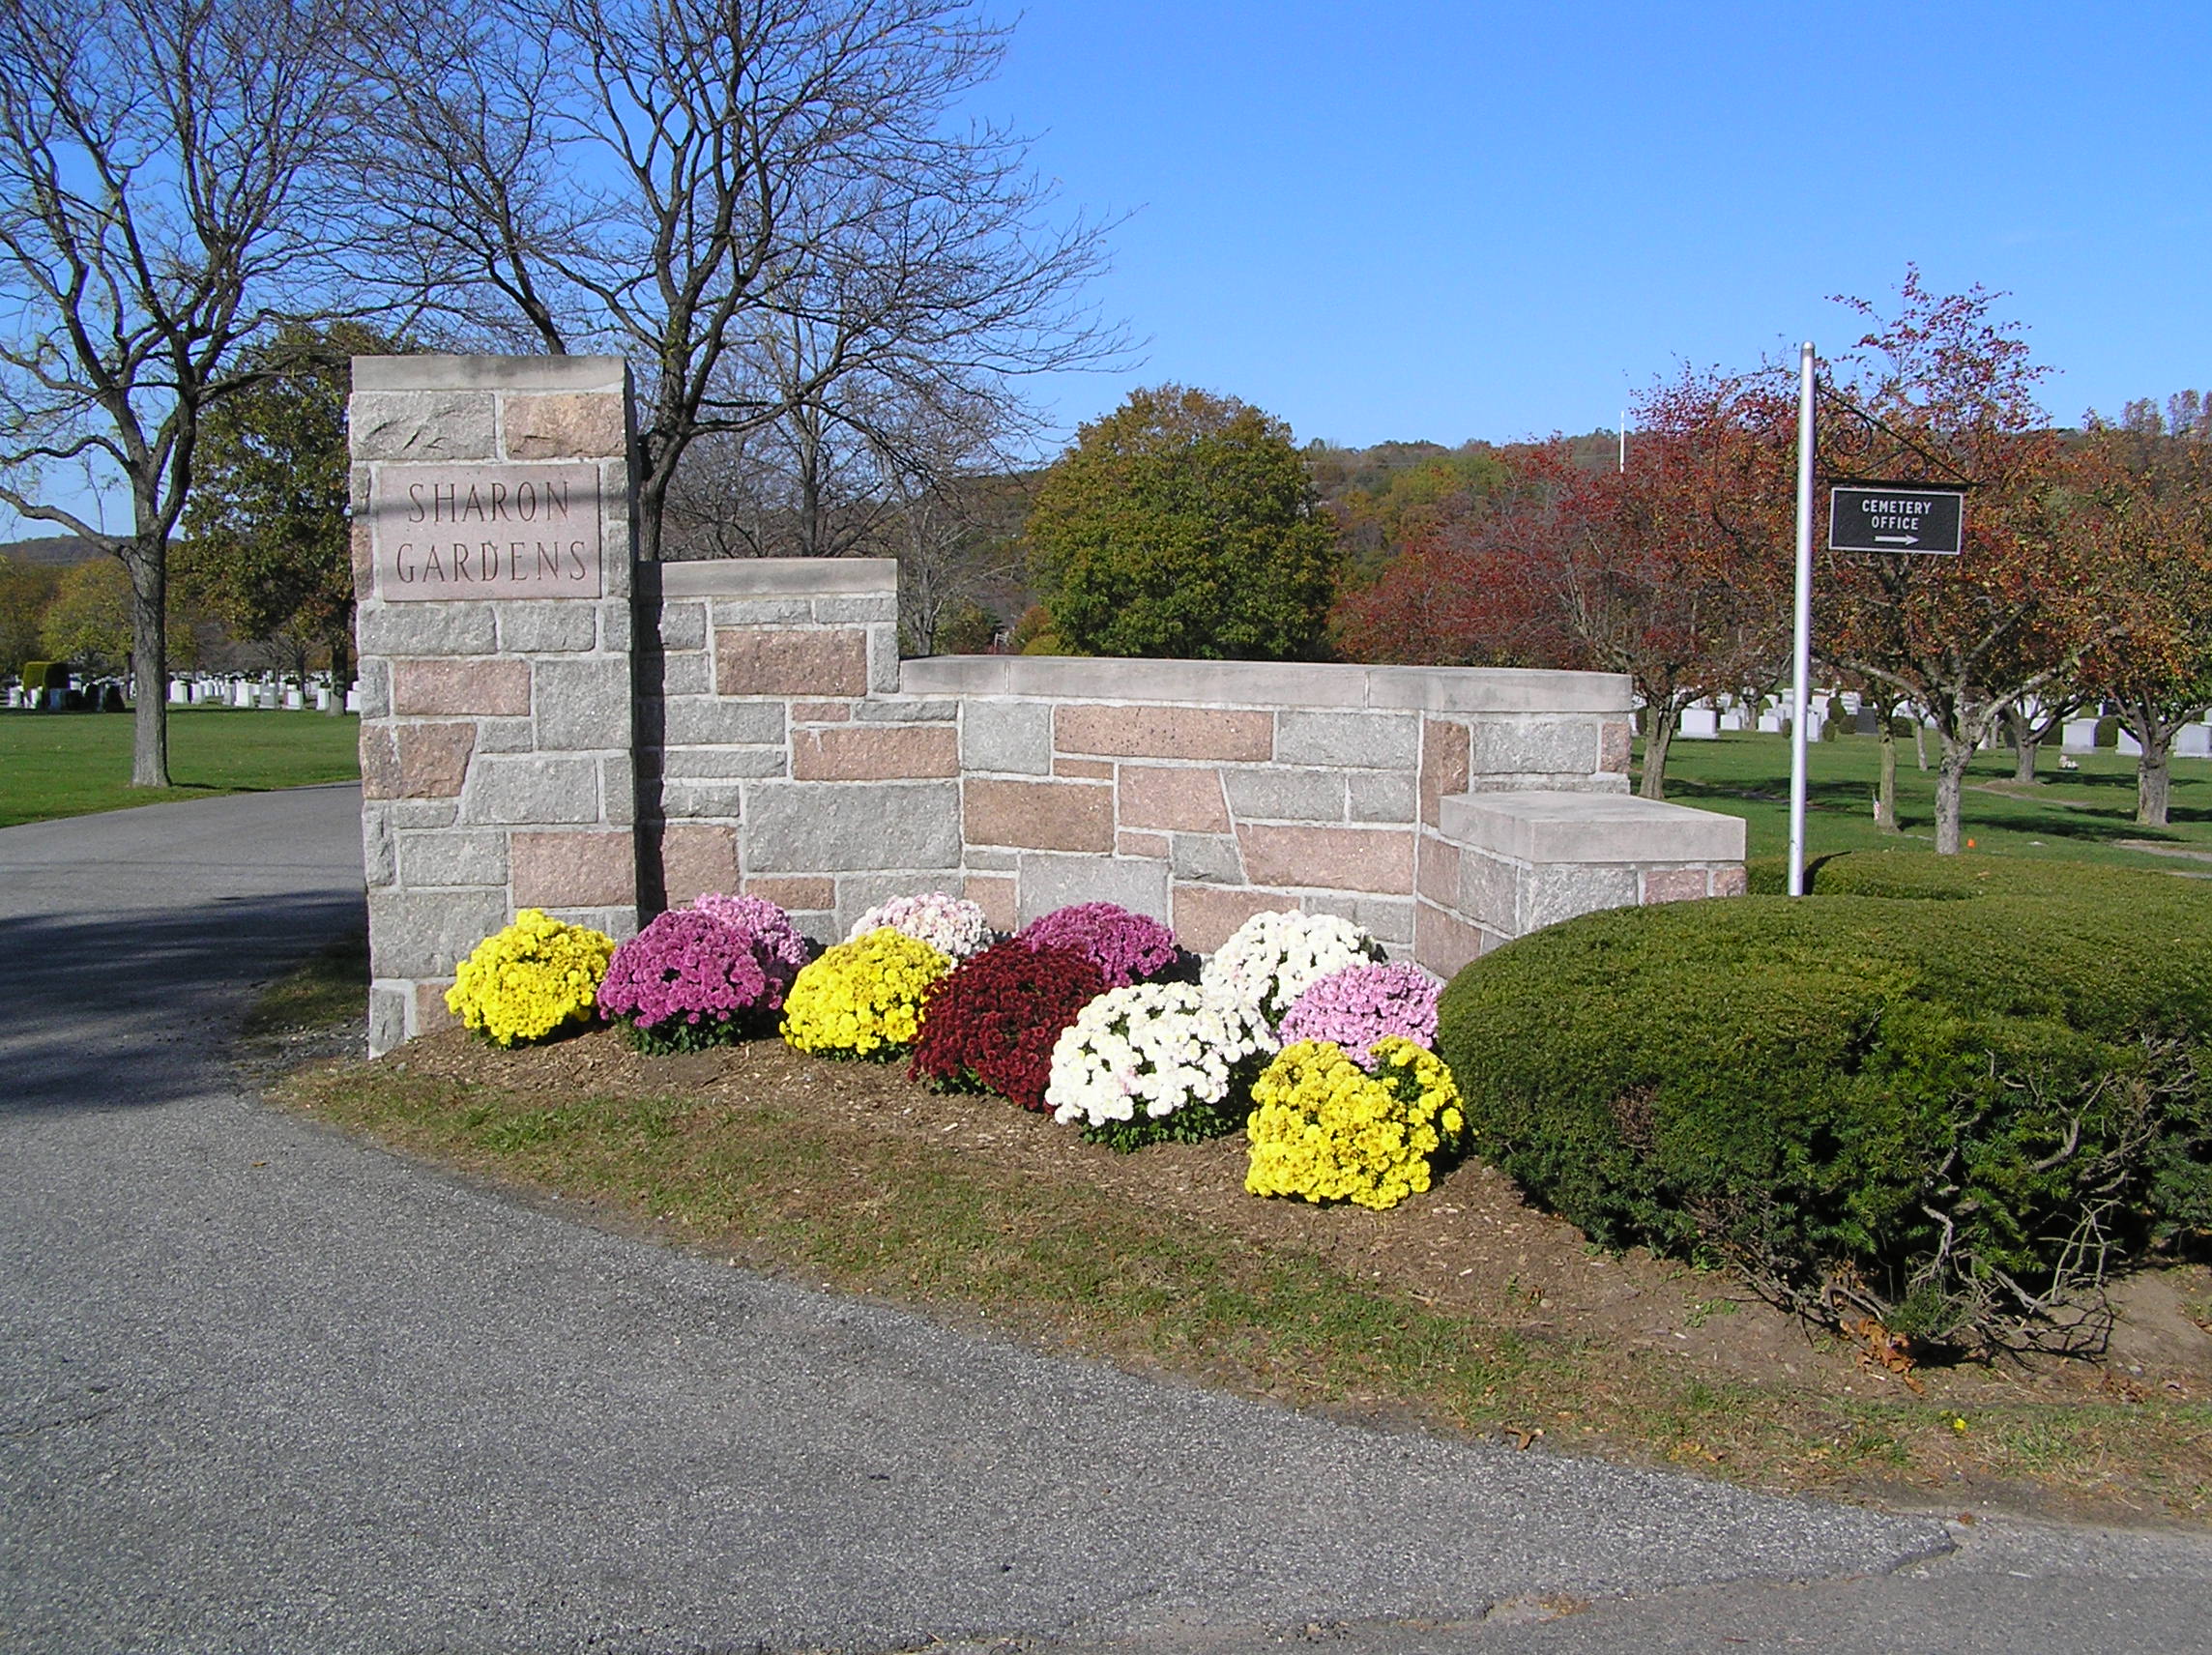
x: 1542, y: 827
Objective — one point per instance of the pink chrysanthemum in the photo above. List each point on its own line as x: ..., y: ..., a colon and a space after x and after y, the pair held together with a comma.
x: 1360, y: 1005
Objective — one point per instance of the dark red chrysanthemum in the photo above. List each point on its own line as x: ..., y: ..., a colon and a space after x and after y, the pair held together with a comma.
x: 993, y: 1021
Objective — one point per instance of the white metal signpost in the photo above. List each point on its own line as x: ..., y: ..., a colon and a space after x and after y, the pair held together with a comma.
x: 1803, y: 662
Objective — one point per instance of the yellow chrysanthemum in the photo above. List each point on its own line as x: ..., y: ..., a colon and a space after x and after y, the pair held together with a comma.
x: 1325, y: 1129
x: 530, y: 980
x: 862, y: 999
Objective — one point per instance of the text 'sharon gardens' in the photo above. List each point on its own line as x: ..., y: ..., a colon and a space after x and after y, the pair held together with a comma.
x: 511, y: 531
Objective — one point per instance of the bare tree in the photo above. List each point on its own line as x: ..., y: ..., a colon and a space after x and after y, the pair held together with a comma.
x: 157, y: 167
x: 714, y: 186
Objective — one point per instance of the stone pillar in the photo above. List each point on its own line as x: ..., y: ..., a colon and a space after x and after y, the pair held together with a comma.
x: 492, y: 558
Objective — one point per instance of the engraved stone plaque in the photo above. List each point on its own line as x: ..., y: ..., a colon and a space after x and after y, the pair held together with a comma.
x: 485, y: 531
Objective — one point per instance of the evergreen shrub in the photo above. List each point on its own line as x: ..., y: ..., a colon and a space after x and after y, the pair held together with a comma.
x: 1952, y: 1094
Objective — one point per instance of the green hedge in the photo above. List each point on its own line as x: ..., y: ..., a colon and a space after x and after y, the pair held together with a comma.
x: 1949, y: 1093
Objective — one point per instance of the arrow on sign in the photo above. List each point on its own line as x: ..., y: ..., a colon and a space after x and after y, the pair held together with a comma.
x: 1898, y: 539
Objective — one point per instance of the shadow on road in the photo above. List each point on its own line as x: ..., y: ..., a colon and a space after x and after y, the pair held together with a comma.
x: 112, y: 1011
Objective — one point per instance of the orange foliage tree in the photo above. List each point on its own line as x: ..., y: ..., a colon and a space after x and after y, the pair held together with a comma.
x: 1674, y: 572
x: 2145, y: 489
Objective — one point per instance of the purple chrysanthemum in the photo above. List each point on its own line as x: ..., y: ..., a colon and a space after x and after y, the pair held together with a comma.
x: 693, y: 973
x: 1126, y: 948
x: 770, y: 925
x: 1360, y: 1005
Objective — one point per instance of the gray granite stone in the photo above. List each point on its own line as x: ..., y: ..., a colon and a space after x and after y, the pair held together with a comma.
x: 388, y: 1005
x: 427, y: 932
x: 427, y: 630
x: 905, y: 710
x: 694, y: 762
x: 850, y: 608
x: 378, y: 865
x: 582, y: 705
x: 762, y: 611
x: 1383, y: 795
x: 678, y: 626
x: 535, y: 789
x: 715, y: 721
x: 1540, y: 745
x: 814, y: 827
x: 547, y: 627
x: 618, y: 790
x: 688, y: 672
x: 1012, y: 737
x: 1275, y: 793
x: 1551, y: 892
x: 1368, y: 740
x: 420, y: 425
x: 1049, y: 881
x: 373, y: 680
x: 1209, y: 859
x: 505, y: 736
x: 454, y: 856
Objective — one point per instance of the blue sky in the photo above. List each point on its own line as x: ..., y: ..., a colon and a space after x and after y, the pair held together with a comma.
x: 1405, y: 219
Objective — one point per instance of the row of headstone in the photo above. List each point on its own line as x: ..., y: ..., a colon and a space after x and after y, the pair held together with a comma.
x: 1708, y: 720
x: 263, y: 694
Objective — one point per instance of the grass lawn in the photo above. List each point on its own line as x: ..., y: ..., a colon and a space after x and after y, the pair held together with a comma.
x: 72, y: 764
x: 2086, y: 815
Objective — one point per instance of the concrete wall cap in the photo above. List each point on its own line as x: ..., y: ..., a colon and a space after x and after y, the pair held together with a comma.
x: 1270, y: 683
x: 767, y: 577
x: 1500, y: 689
x: 489, y: 373
x: 1542, y: 827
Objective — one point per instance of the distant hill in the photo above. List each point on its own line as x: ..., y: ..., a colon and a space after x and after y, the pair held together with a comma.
x: 54, y: 551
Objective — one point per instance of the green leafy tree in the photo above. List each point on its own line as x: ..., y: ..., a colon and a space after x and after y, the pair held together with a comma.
x: 1185, y: 524
x: 266, y: 548
x: 25, y: 591
x: 90, y: 621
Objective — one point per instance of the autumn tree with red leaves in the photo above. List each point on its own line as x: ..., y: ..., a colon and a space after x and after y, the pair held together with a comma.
x: 1941, y: 393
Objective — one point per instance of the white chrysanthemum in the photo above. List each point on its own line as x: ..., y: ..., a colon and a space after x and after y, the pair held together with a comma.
x: 953, y: 925
x: 1272, y: 958
x: 1155, y: 1046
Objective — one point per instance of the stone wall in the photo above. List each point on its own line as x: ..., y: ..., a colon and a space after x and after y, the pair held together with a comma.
x: 787, y: 752
x: 763, y: 734
x: 496, y: 732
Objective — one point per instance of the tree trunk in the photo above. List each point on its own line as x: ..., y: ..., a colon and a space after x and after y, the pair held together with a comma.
x: 1885, y: 798
x: 1920, y: 743
x: 149, y: 664
x: 2154, y: 772
x: 1662, y: 718
x: 341, y: 673
x: 2021, y: 731
x: 650, y: 507
x: 1950, y: 791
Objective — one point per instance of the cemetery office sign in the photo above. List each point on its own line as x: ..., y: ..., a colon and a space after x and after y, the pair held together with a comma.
x: 485, y: 531
x: 1895, y: 517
